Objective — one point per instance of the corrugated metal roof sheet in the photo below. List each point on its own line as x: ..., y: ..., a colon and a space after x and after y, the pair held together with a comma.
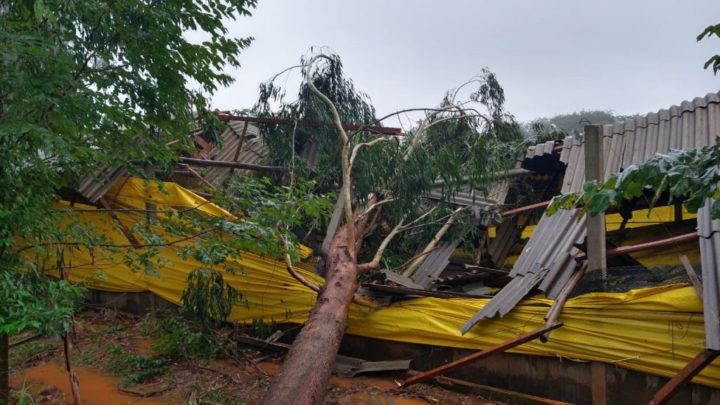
x: 435, y: 263
x: 241, y: 142
x: 545, y: 148
x: 505, y: 236
x: 709, y: 232
x: 95, y: 185
x: 546, y: 261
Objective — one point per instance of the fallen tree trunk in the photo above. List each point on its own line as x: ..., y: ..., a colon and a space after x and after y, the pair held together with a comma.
x: 303, y: 378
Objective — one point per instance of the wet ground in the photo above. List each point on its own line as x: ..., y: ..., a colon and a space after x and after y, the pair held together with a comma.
x: 38, y: 372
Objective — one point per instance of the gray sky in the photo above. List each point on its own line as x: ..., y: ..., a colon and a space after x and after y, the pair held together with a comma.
x: 550, y: 56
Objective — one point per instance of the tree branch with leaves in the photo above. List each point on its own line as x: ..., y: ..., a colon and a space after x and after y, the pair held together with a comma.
x: 386, y: 179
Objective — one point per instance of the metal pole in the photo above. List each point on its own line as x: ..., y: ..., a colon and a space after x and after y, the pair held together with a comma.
x: 480, y: 355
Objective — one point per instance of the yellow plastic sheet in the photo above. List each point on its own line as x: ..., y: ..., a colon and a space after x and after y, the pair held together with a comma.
x: 654, y: 330
x: 640, y: 219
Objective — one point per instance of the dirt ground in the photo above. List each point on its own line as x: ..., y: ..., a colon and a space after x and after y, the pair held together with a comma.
x: 116, y: 362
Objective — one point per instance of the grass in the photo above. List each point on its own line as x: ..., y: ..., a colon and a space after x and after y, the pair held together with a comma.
x: 23, y: 396
x: 134, y: 368
x: 175, y: 339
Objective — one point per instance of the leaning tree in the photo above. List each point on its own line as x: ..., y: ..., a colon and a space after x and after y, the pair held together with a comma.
x: 383, y: 183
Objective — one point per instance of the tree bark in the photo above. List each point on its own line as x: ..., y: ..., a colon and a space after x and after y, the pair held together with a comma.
x: 4, y: 369
x: 305, y: 373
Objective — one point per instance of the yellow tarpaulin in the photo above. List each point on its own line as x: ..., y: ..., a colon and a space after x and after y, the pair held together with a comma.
x: 654, y: 330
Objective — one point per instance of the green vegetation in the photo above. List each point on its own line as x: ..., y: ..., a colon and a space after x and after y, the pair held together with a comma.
x: 134, y: 368
x: 31, y: 351
x: 85, y: 83
x: 23, y: 396
x: 174, y: 340
x: 690, y: 175
x: 261, y: 329
x: 179, y: 339
x: 464, y: 142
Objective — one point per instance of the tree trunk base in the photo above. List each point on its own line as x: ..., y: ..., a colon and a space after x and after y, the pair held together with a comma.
x: 304, y: 376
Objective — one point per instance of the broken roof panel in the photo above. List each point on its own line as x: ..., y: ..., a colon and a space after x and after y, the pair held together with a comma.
x: 94, y: 185
x: 241, y: 142
x: 709, y: 233
x: 544, y: 261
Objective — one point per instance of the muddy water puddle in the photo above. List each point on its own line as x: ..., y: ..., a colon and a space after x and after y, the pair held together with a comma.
x: 50, y: 381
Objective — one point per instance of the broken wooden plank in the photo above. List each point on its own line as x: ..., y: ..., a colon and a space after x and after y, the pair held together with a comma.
x: 275, y: 336
x: 344, y: 365
x: 231, y: 165
x: 261, y: 344
x: 693, y: 368
x: 694, y: 279
x: 480, y: 355
x: 351, y: 366
x: 599, y: 390
x: 399, y: 279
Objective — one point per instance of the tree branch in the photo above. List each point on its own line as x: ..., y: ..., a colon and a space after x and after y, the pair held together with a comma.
x: 375, y: 262
x: 357, y: 147
x: 112, y: 245
x: 433, y: 242
x: 297, y: 276
x: 346, y: 180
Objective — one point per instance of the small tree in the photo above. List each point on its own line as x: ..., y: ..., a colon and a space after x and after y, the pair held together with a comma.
x: 382, y: 180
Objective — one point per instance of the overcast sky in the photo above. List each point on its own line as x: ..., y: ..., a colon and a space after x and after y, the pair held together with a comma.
x: 551, y: 57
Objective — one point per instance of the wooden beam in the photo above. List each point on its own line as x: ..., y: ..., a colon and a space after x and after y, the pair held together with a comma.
x: 693, y: 368
x: 480, y: 355
x: 240, y: 144
x: 623, y: 250
x: 312, y: 124
x: 530, y: 207
x: 123, y: 228
x: 556, y: 309
x: 597, y: 254
x: 198, y: 176
x: 694, y: 279
x: 599, y: 391
x: 232, y: 165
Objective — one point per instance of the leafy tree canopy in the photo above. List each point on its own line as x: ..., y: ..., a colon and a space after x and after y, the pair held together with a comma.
x: 86, y: 83
x: 464, y: 142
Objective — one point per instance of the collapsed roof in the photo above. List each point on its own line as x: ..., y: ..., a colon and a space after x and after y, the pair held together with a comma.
x: 548, y: 259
